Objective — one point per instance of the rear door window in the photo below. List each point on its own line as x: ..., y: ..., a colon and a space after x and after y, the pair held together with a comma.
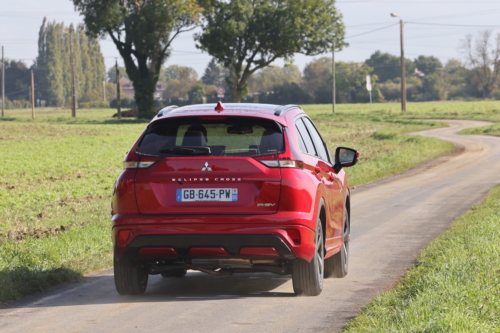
x: 212, y: 136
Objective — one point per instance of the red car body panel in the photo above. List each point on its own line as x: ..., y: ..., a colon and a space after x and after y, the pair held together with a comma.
x: 278, y: 202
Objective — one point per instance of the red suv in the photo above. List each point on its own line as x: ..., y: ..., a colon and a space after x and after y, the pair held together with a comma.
x: 232, y: 189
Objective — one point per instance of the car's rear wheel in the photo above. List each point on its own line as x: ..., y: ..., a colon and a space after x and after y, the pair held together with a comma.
x: 175, y: 273
x: 130, y: 280
x: 308, y: 278
x: 337, y: 265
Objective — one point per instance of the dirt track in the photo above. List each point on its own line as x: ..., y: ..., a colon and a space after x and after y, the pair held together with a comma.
x: 392, y: 221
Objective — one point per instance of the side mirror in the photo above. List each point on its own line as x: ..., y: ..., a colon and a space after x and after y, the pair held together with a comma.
x: 345, y: 157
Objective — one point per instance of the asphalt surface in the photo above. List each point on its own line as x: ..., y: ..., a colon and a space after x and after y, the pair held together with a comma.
x: 392, y: 221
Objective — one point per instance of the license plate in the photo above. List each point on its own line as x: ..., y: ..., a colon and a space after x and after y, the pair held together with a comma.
x: 206, y: 194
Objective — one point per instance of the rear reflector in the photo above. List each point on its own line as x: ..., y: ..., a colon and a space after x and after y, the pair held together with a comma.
x: 207, y: 252
x: 259, y: 252
x: 157, y: 252
x: 294, y: 234
x: 122, y: 237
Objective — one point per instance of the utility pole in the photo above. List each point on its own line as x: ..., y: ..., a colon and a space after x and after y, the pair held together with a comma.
x: 32, y: 95
x: 118, y: 98
x: 3, y: 84
x: 103, y: 90
x: 403, y: 69
x: 333, y: 78
x: 73, y: 91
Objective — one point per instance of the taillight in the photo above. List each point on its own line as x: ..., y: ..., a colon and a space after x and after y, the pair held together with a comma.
x: 137, y: 164
x: 134, y: 161
x: 283, y: 164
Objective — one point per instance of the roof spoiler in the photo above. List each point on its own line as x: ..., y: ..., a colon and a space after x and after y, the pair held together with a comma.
x: 282, y: 109
x: 166, y: 110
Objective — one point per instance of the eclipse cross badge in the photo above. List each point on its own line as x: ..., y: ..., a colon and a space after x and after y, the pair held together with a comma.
x: 206, y: 168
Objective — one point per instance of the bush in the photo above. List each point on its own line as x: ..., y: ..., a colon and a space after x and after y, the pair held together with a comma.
x: 496, y: 94
x: 124, y: 103
x: 94, y: 105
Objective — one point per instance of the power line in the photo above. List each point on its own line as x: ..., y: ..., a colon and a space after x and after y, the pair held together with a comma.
x: 456, y: 25
x: 368, y: 32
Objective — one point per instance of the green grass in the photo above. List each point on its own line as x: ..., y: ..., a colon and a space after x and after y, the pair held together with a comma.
x: 454, y: 285
x: 58, y: 171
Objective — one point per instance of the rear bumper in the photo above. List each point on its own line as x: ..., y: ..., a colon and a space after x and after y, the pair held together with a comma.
x: 183, y: 233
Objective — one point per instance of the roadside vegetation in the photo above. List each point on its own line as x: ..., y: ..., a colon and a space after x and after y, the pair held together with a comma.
x: 57, y: 173
x: 454, y: 285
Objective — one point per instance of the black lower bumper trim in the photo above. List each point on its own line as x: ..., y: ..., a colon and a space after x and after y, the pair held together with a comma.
x: 231, y: 242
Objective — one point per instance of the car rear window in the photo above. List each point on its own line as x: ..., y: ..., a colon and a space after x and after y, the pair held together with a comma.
x: 212, y: 136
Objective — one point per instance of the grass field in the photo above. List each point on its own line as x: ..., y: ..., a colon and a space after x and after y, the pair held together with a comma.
x: 56, y: 175
x: 454, y: 285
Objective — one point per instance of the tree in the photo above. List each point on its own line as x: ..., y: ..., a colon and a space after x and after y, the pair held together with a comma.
x: 483, y: 56
x: 351, y: 83
x: 427, y: 65
x: 317, y: 80
x: 180, y: 80
x: 215, y: 74
x: 53, y: 66
x: 112, y: 73
x: 17, y: 80
x: 142, y: 31
x: 196, y: 94
x: 267, y: 78
x: 247, y: 35
x: 287, y: 93
x: 387, y: 66
x: 181, y: 73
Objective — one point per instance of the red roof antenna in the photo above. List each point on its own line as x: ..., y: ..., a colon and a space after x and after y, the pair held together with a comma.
x: 219, y: 107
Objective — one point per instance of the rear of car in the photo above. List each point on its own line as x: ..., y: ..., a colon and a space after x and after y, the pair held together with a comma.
x: 217, y: 191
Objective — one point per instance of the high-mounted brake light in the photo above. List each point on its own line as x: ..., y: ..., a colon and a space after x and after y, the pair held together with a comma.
x: 213, y: 118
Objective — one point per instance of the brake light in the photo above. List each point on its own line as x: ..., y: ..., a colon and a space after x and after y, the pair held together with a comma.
x: 213, y: 118
x: 137, y: 164
x: 283, y: 164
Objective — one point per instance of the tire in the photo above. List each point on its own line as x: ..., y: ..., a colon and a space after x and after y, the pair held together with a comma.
x: 130, y: 280
x: 308, y: 278
x: 175, y: 273
x: 337, y: 265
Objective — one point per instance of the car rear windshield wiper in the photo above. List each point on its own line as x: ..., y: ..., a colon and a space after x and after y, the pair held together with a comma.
x: 191, y: 150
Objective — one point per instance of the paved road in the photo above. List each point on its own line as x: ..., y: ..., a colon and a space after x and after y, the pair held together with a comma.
x: 392, y: 220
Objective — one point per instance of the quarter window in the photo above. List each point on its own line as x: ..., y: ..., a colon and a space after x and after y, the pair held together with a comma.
x: 301, y: 128
x: 318, y: 142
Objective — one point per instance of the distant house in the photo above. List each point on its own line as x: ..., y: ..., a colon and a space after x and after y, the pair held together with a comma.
x: 128, y: 88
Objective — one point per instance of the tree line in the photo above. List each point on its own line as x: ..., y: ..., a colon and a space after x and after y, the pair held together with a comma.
x: 245, y: 37
x: 52, y: 68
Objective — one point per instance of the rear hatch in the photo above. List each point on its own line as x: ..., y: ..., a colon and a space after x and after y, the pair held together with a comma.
x: 209, y: 165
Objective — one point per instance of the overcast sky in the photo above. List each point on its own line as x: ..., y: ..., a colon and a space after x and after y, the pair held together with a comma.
x: 433, y: 27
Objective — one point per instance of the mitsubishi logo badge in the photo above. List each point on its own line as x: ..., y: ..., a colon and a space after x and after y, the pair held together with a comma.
x: 206, y: 168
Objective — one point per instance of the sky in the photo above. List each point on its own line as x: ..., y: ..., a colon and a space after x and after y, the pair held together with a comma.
x: 432, y: 28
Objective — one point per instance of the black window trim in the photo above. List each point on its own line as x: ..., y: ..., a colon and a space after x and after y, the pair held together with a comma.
x: 324, y: 143
x: 298, y: 132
